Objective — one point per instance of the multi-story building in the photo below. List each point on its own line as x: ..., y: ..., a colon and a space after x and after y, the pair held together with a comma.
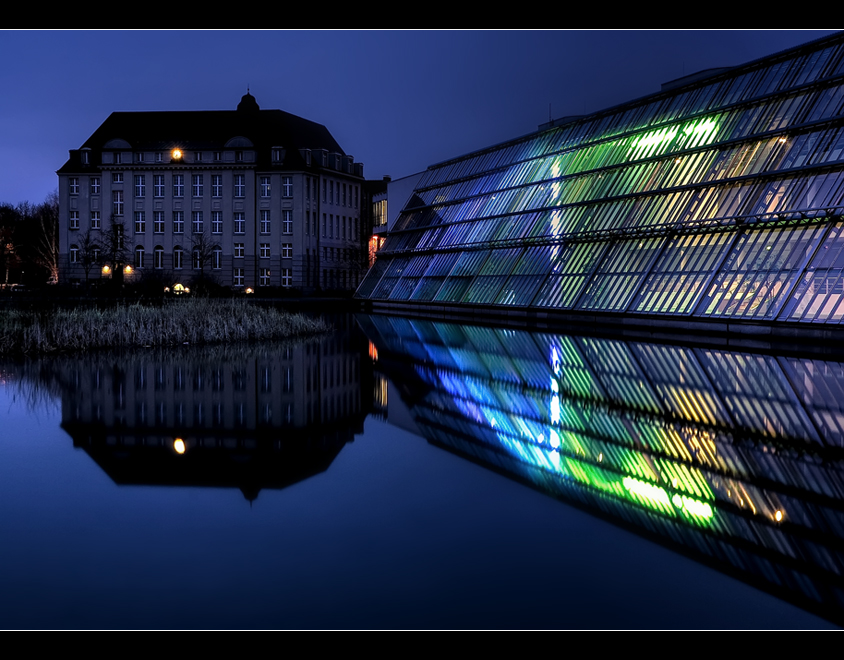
x: 249, y: 197
x: 714, y: 203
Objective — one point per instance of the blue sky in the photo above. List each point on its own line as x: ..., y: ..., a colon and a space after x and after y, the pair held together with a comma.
x: 398, y: 101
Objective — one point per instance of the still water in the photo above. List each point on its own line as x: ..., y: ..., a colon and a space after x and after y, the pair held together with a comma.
x: 408, y: 474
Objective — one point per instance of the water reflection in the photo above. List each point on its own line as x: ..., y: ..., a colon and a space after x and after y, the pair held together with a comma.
x: 733, y: 458
x: 249, y: 417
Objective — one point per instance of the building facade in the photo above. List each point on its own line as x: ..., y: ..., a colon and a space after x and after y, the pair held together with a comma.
x: 249, y: 197
x: 716, y: 200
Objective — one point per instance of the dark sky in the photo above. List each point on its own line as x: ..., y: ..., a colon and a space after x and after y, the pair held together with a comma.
x: 398, y: 101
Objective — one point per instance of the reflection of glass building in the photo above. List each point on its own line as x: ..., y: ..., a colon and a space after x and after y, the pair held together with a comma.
x: 717, y: 199
x: 733, y: 458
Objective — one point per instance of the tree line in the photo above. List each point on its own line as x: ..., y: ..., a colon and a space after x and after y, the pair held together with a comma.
x: 29, y: 242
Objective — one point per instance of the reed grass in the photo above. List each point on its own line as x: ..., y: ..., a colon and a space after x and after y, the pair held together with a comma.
x: 192, y: 321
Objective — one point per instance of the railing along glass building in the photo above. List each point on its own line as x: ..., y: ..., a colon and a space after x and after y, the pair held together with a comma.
x: 717, y: 199
x: 734, y: 458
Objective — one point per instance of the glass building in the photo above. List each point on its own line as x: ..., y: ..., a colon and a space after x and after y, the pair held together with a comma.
x: 717, y: 199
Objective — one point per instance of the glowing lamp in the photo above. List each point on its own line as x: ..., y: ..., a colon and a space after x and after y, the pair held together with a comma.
x: 106, y: 270
x: 249, y: 289
x: 127, y: 270
x: 778, y: 515
x: 176, y: 154
x: 179, y: 446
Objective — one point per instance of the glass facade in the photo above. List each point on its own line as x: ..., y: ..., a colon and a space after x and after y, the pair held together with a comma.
x: 720, y: 198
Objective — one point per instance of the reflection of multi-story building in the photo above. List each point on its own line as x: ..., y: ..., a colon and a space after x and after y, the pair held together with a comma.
x: 733, y: 458
x: 719, y: 198
x: 250, y: 418
x: 249, y: 197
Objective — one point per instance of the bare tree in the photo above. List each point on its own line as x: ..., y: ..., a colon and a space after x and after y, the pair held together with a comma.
x: 42, y: 234
x: 89, y: 253
x: 116, y: 252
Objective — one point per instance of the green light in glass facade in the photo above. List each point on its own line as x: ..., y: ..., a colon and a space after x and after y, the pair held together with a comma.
x: 691, y: 134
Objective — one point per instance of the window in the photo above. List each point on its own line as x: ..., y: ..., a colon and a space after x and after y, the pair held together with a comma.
x: 287, y: 250
x: 74, y: 219
x: 239, y: 186
x: 158, y: 185
x: 197, y: 259
x: 158, y: 257
x: 117, y: 202
x: 265, y: 186
x: 216, y: 222
x: 239, y: 223
x: 238, y: 276
x: 265, y: 251
x: 218, y: 155
x: 265, y: 222
x: 287, y: 222
x: 264, y: 276
x: 287, y: 277
x: 344, y: 194
x: 139, y: 157
x: 74, y: 254
x: 117, y: 177
x: 217, y: 258
x: 287, y: 186
x: 197, y: 185
x: 178, y: 222
x: 73, y: 185
x: 198, y: 158
x: 216, y: 185
x: 178, y: 257
x: 323, y: 225
x: 239, y: 251
x: 238, y: 156
x: 158, y: 222
x: 95, y: 185
x: 95, y: 219
x: 140, y: 185
x: 197, y: 222
x: 140, y: 222
x: 178, y: 185
x: 118, y: 158
x: 324, y: 188
x: 139, y: 256
x: 158, y: 157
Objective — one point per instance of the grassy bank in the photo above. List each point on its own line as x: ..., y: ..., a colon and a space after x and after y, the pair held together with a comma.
x: 193, y: 321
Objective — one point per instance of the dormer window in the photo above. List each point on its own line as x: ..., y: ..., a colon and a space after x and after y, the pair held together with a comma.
x: 117, y: 158
x: 218, y: 156
x: 139, y: 158
x: 158, y: 157
x: 197, y: 157
x: 238, y: 156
